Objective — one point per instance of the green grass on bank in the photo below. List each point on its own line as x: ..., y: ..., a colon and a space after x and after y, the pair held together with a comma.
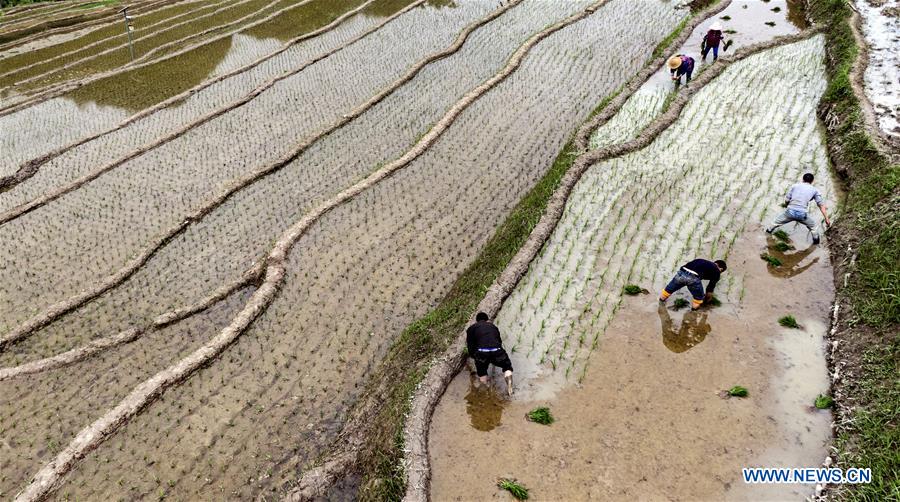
x: 871, y: 222
x: 406, y: 362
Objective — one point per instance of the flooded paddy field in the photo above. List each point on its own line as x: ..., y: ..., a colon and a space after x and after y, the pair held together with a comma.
x: 173, y: 209
x: 639, y: 383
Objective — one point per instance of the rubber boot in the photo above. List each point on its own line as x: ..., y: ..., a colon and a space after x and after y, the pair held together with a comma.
x: 507, y: 375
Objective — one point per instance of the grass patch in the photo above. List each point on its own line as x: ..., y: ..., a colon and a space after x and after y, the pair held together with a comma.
x: 681, y: 303
x: 738, y: 391
x: 514, y: 488
x: 541, y: 415
x: 824, y: 402
x: 788, y: 321
x: 781, y: 235
x: 871, y: 438
x: 632, y: 289
x: 771, y: 260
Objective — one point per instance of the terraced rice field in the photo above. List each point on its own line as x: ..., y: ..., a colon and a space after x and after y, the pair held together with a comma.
x: 703, y: 187
x: 200, y: 283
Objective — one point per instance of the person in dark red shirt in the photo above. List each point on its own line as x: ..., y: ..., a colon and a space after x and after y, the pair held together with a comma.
x: 691, y: 274
x: 485, y: 347
x: 681, y: 65
x: 711, y: 41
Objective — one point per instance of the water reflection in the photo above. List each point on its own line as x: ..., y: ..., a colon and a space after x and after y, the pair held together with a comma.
x: 484, y: 405
x: 693, y: 330
x: 790, y: 261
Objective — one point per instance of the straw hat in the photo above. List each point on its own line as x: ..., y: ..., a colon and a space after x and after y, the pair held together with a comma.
x: 716, y: 26
x: 674, y: 62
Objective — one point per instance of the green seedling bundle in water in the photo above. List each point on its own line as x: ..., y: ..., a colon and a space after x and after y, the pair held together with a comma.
x: 632, y: 289
x: 514, y: 488
x: 541, y: 416
x: 789, y: 321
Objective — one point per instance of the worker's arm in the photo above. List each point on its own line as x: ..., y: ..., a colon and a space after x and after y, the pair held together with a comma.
x: 787, y: 196
x: 821, y: 203
x: 710, y: 288
x: 470, y: 343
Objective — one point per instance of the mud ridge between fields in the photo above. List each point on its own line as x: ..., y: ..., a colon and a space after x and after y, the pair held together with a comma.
x: 60, y: 89
x: 448, y: 364
x: 30, y: 168
x: 252, y: 276
x: 48, y: 477
x: 583, y: 136
x: 63, y: 307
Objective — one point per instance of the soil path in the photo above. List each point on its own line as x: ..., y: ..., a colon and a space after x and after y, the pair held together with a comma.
x: 648, y: 421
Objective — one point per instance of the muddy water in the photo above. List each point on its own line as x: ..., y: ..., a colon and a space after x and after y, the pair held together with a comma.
x: 379, y: 262
x: 648, y: 422
x: 881, y: 28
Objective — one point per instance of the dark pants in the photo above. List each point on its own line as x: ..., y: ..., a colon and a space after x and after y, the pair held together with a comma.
x: 497, y: 357
x: 684, y: 278
x: 715, y: 50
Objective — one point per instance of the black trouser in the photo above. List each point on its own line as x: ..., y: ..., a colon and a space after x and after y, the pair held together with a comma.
x: 497, y: 357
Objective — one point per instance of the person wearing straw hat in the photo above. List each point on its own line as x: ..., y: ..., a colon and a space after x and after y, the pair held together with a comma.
x: 681, y: 65
x: 711, y: 41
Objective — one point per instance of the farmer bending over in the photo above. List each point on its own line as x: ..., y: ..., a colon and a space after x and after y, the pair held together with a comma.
x: 797, y: 203
x: 485, y: 347
x: 681, y: 65
x: 711, y: 41
x: 691, y: 274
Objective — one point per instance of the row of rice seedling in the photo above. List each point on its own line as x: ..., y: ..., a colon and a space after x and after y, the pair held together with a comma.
x: 312, y: 177
x: 31, y: 146
x: 335, y: 354
x: 84, y: 13
x: 40, y: 414
x: 228, y: 16
x: 759, y: 117
x: 28, y: 64
x: 280, y: 423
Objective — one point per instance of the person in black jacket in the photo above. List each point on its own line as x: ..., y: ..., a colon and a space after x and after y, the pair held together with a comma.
x: 691, y: 274
x: 485, y: 347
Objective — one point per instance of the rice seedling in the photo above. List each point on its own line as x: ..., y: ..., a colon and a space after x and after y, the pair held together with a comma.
x: 680, y: 303
x: 789, y: 321
x: 714, y: 302
x: 770, y: 23
x: 541, y: 416
x: 770, y: 260
x: 515, y: 489
x: 782, y: 247
x: 824, y: 402
x: 632, y: 289
x: 725, y: 18
x: 738, y: 391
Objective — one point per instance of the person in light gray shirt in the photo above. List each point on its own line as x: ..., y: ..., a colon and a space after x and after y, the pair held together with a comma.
x: 797, y: 203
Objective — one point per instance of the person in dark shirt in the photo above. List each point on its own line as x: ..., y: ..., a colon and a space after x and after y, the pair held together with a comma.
x: 485, y: 347
x: 681, y: 65
x: 711, y: 41
x: 691, y: 274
